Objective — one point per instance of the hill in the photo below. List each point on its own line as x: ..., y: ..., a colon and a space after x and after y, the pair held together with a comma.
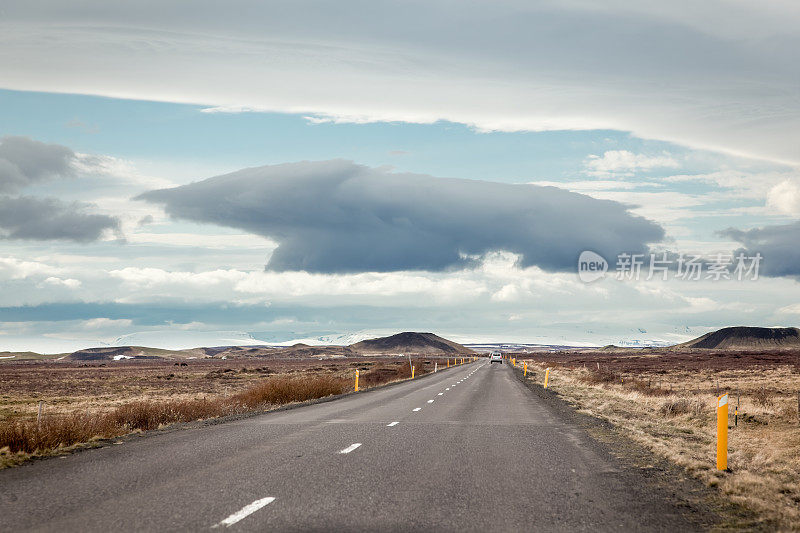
x: 745, y: 338
x: 410, y: 342
x: 116, y: 353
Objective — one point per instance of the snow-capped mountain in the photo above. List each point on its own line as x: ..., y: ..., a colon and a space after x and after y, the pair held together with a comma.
x: 344, y: 339
x: 180, y: 340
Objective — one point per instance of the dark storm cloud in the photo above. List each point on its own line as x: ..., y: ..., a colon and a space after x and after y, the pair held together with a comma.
x: 777, y: 244
x: 336, y: 216
x: 24, y: 161
x: 49, y: 219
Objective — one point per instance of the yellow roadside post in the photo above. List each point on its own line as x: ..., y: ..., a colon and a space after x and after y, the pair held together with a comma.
x: 448, y: 363
x: 525, y: 367
x: 546, y: 377
x: 722, y: 432
x: 356, y: 380
x: 412, y: 371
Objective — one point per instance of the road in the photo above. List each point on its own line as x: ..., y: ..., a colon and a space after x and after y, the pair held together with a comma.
x: 466, y: 449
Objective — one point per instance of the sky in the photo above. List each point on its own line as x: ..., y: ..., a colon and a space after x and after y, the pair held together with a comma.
x: 263, y: 172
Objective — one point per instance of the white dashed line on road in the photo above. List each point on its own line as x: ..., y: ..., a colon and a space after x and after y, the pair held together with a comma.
x: 440, y: 394
x: 245, y: 511
x: 417, y: 409
x: 430, y: 401
x: 351, y: 447
x: 392, y: 424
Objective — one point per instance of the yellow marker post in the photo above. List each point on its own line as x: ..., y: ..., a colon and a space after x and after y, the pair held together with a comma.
x: 525, y: 369
x: 448, y: 363
x: 356, y: 380
x: 546, y: 377
x: 722, y: 432
x: 412, y: 372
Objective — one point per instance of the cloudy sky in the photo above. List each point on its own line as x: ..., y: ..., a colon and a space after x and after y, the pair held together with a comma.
x: 179, y: 173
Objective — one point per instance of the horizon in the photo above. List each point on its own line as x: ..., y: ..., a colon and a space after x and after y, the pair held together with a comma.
x: 232, y: 339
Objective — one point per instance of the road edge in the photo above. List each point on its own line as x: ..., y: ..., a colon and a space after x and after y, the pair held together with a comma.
x: 700, y: 501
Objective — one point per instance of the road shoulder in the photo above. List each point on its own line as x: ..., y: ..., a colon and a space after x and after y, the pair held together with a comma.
x: 703, y: 506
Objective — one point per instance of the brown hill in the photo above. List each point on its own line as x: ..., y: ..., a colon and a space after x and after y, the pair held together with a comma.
x: 132, y: 352
x: 745, y: 337
x: 297, y: 350
x: 410, y: 342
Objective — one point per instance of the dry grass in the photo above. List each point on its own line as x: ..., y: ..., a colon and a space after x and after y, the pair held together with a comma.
x: 27, y: 437
x: 155, y: 395
x: 672, y: 411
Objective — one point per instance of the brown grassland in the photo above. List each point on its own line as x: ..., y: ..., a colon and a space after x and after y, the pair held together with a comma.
x: 667, y: 401
x: 88, y: 402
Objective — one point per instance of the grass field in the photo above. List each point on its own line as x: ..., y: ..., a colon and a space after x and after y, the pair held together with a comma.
x: 668, y: 403
x: 86, y: 402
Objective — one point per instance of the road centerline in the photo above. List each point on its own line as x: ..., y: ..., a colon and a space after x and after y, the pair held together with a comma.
x: 245, y: 511
x: 351, y: 447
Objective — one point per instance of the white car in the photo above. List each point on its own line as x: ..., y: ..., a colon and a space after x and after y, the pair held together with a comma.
x: 496, y: 357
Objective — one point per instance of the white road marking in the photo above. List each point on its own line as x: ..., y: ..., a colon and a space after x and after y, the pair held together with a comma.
x: 351, y: 448
x: 392, y: 424
x: 440, y: 394
x: 448, y: 388
x: 245, y: 511
x: 417, y: 409
x: 430, y: 401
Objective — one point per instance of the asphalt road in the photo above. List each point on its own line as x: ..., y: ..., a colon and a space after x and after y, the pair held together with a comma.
x: 466, y: 449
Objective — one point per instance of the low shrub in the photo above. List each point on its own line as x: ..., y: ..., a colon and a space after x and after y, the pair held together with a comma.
x: 597, y: 377
x: 763, y: 398
x: 681, y: 406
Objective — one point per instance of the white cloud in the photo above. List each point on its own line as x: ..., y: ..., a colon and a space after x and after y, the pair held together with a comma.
x: 656, y: 69
x: 106, y: 323
x: 13, y: 268
x: 148, y: 284
x: 793, y: 309
x: 69, y: 283
x: 592, y: 186
x: 626, y: 163
x: 784, y: 198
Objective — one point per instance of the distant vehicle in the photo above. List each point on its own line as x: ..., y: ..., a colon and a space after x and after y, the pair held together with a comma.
x: 496, y: 357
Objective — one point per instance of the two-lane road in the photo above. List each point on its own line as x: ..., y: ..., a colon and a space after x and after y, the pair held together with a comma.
x: 469, y: 448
